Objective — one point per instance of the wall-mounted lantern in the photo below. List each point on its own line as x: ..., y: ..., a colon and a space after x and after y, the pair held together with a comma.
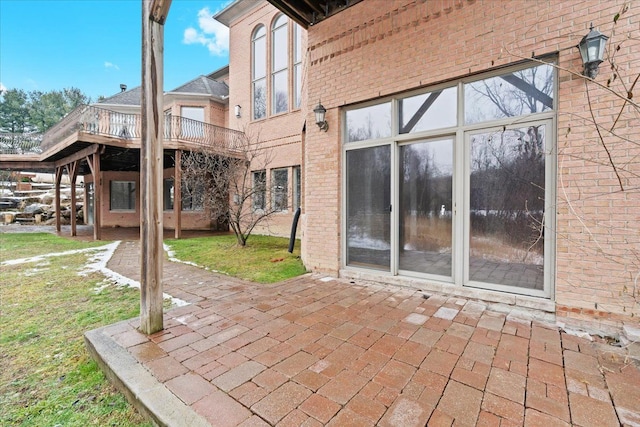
x: 320, y: 112
x: 238, y: 110
x: 592, y: 51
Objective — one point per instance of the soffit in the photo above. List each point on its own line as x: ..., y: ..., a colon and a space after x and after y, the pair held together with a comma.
x: 310, y: 12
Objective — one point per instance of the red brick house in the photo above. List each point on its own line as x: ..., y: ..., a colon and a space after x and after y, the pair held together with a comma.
x: 461, y: 154
x: 465, y: 153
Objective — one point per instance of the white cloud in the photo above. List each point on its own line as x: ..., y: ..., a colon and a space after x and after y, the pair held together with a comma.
x: 108, y: 64
x: 2, y: 87
x: 211, y: 33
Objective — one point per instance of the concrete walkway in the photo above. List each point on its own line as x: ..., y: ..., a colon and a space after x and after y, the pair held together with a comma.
x: 317, y: 351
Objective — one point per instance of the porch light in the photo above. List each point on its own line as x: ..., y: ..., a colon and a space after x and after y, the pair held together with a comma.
x: 238, y: 110
x: 320, y: 112
x: 592, y: 51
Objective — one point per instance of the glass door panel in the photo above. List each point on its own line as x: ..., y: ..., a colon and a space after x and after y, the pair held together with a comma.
x: 368, y: 207
x: 425, y: 211
x: 507, y: 207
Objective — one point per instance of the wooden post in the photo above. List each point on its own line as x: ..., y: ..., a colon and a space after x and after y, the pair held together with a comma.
x: 59, y: 170
x: 151, y: 153
x: 72, y: 170
x: 177, y: 194
x: 94, y: 164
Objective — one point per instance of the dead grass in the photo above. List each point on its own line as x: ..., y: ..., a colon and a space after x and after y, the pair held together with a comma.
x: 47, y: 378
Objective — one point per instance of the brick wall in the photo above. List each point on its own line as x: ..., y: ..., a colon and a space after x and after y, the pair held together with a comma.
x: 280, y: 135
x: 378, y: 47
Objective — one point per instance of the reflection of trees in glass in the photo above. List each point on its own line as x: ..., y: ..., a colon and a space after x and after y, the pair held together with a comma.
x: 507, y: 185
x: 425, y: 206
x: 421, y: 166
x: 281, y: 102
x: 259, y: 198
x: 259, y: 101
x: 510, y: 95
x: 369, y: 122
x: 279, y: 190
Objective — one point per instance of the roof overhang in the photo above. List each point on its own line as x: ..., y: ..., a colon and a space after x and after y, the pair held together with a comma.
x: 310, y: 12
x: 304, y: 12
x: 235, y: 10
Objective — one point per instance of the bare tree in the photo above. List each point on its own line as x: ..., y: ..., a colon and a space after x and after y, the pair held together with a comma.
x: 230, y: 187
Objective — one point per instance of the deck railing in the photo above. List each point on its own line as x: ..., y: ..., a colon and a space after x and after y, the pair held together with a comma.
x: 20, y: 143
x: 100, y: 121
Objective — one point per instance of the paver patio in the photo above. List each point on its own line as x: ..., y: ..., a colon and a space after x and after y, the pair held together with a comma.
x: 317, y: 351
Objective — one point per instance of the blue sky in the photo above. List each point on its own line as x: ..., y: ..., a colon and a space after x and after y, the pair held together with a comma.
x: 95, y: 45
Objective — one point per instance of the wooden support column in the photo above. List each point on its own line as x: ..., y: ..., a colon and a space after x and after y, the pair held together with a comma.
x: 72, y: 170
x: 154, y: 13
x: 94, y: 165
x: 59, y: 170
x: 177, y: 194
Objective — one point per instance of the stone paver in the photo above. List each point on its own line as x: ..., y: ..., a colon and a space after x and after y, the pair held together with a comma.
x: 313, y: 352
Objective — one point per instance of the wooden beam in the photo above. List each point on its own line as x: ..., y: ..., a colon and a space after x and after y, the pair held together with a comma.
x: 160, y: 10
x: 78, y: 155
x: 151, y: 154
x: 26, y: 166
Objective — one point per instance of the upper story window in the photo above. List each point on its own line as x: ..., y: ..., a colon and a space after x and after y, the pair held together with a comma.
x: 276, y: 67
x: 259, y: 72
x: 280, y: 65
x: 297, y: 65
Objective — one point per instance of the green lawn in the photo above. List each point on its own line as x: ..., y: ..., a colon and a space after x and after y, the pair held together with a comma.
x: 264, y: 260
x: 47, y: 378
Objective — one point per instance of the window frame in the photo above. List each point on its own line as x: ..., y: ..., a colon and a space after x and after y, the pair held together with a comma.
x: 459, y: 132
x: 297, y: 74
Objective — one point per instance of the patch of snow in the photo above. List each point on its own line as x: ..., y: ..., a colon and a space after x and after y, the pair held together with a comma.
x: 97, y: 263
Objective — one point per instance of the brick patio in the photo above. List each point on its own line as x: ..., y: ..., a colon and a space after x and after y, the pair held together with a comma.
x: 318, y: 351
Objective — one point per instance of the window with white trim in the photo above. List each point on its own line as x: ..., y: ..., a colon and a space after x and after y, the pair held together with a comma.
x: 280, y: 65
x: 259, y: 73
x: 297, y: 65
x: 456, y: 183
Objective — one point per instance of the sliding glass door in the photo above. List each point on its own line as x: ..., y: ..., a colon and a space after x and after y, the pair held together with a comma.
x: 368, y: 207
x: 425, y: 208
x: 506, y: 206
x: 456, y: 184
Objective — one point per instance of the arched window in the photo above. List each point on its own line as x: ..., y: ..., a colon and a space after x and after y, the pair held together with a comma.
x: 280, y: 65
x: 259, y: 72
x: 297, y: 65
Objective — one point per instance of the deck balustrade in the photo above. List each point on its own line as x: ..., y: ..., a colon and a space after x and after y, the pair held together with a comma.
x: 99, y: 121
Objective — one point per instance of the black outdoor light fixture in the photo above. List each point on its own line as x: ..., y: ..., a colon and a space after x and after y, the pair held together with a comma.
x: 592, y: 51
x: 320, y: 111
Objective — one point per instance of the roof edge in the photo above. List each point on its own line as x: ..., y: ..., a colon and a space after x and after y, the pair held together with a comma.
x: 234, y: 11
